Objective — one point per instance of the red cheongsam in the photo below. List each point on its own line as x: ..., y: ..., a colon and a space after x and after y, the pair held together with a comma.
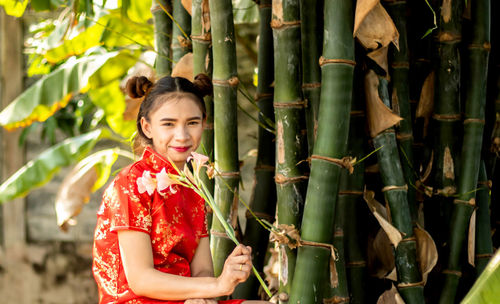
x: 174, y: 219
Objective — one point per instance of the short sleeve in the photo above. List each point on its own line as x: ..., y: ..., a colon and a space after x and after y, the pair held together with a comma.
x: 127, y: 209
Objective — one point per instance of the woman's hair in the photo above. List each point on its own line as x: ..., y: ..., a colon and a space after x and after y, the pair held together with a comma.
x: 155, y: 94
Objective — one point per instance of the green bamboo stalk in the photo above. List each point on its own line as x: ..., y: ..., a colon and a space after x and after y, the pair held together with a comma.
x: 446, y: 119
x: 400, y: 69
x: 288, y: 105
x: 484, y: 245
x: 311, y: 39
x: 201, y: 52
x: 263, y: 201
x: 337, y: 68
x: 180, y: 30
x: 475, y: 96
x: 396, y: 195
x: 350, y: 195
x: 225, y: 124
x: 163, y: 36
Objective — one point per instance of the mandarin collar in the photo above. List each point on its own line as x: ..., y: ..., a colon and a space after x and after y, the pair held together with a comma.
x: 154, y: 160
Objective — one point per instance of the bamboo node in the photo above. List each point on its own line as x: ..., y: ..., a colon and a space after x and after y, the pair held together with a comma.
x: 350, y: 192
x: 278, y: 24
x: 447, y: 117
x: 488, y: 184
x: 286, y: 235
x: 231, y: 82
x: 264, y: 168
x: 263, y: 215
x: 346, y: 162
x: 485, y: 46
x: 452, y: 272
x: 396, y: 188
x: 484, y: 255
x: 357, y: 113
x: 229, y: 174
x: 293, y: 104
x: 323, y: 61
x: 281, y: 179
x: 404, y: 136
x: 356, y: 264
x: 474, y: 120
x: 336, y: 300
x: 447, y: 191
x: 408, y: 239
x: 312, y: 85
x: 262, y: 96
x: 449, y: 37
x: 408, y: 285
x: 400, y: 65
x: 338, y: 233
x: 207, y: 37
x: 219, y: 234
x: 283, y: 296
x: 471, y: 202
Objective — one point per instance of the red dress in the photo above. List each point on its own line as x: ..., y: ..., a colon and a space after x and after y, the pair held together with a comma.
x: 175, y: 223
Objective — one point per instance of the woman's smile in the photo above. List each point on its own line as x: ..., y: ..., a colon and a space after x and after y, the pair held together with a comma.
x: 181, y: 149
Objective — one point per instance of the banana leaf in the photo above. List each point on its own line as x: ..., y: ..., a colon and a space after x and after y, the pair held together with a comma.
x: 245, y: 11
x: 485, y: 289
x: 52, y: 92
x: 40, y: 170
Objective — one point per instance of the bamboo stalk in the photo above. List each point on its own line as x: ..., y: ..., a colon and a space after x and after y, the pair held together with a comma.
x: 181, y: 30
x: 484, y: 245
x: 311, y: 39
x: 400, y: 69
x: 225, y: 124
x: 201, y: 54
x: 475, y: 96
x: 337, y: 68
x: 163, y: 35
x: 263, y: 201
x: 409, y: 277
x: 288, y: 108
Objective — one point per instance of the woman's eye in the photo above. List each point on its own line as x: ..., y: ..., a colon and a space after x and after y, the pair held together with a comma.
x: 168, y: 124
x: 192, y: 123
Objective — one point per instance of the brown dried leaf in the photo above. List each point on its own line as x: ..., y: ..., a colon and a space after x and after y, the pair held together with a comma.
x: 205, y: 16
x: 184, y: 68
x: 280, y: 142
x: 283, y: 274
x: 187, y: 5
x: 376, y: 29
x: 394, y: 235
x: 426, y: 103
x: 132, y: 106
x: 382, y: 259
x: 448, y: 167
x: 334, y: 276
x: 390, y: 296
x: 426, y: 251
x: 73, y: 193
x: 234, y: 210
x: 271, y: 270
x: 471, y: 244
x: 380, y: 117
x: 277, y: 10
x: 363, y: 8
x: 380, y: 57
x: 446, y: 10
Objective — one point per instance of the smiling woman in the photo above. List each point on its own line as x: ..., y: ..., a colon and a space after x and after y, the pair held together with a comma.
x: 150, y: 242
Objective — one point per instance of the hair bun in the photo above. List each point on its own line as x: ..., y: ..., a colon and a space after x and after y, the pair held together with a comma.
x: 204, y: 84
x: 138, y: 86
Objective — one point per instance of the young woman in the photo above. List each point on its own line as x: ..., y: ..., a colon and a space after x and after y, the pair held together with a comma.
x: 150, y: 243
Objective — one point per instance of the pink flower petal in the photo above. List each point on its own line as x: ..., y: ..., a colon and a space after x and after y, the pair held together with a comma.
x: 163, y: 180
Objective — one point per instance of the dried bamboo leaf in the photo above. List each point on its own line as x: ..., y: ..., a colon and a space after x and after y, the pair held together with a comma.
x: 334, y: 276
x: 73, y: 193
x: 426, y: 251
x: 363, y: 8
x: 448, y: 167
x: 471, y: 244
x: 280, y: 143
x: 381, y: 256
x: 283, y: 273
x: 271, y: 270
x: 446, y: 10
x: 393, y: 275
x: 395, y: 102
x: 184, y: 68
x: 187, y: 5
x: 426, y: 102
x: 380, y: 57
x: 376, y: 29
x: 394, y: 235
x: 380, y: 117
x: 205, y: 16
x: 390, y: 296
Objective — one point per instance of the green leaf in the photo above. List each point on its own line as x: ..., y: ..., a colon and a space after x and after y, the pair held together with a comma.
x: 45, y: 5
x: 52, y: 92
x: 485, y: 289
x: 245, y: 11
x: 122, y: 31
x: 111, y: 99
x: 40, y: 170
x: 114, y: 68
x: 139, y: 11
x: 14, y: 8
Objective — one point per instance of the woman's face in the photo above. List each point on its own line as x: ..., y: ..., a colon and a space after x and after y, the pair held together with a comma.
x: 175, y: 128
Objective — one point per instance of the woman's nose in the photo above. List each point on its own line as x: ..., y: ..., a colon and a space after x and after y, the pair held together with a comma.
x: 181, y: 133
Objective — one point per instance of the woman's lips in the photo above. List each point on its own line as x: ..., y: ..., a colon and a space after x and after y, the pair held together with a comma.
x: 180, y: 149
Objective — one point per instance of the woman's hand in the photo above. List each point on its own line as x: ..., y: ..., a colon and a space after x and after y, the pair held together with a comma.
x: 236, y: 270
x: 200, y: 301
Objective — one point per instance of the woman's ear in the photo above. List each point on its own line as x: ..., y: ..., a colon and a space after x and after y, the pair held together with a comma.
x: 146, y: 127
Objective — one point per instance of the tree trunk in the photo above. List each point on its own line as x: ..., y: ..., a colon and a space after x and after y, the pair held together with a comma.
x: 181, y: 30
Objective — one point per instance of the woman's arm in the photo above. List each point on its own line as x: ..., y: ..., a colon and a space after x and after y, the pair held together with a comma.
x: 202, y: 265
x: 144, y: 280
